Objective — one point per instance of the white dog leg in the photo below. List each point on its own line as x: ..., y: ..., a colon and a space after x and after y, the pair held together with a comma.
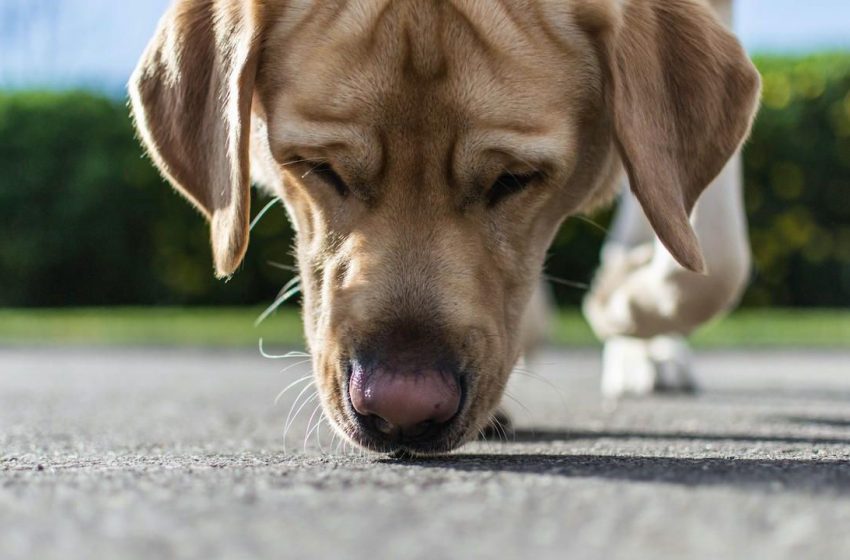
x: 674, y: 364
x: 640, y: 367
x: 626, y: 368
x: 643, y: 292
x: 643, y: 303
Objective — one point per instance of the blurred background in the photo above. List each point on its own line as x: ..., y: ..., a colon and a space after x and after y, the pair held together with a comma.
x: 89, y: 232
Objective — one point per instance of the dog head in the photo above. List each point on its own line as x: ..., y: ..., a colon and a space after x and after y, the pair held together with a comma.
x: 427, y: 152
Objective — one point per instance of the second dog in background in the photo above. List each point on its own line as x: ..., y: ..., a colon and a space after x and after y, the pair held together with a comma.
x: 644, y: 304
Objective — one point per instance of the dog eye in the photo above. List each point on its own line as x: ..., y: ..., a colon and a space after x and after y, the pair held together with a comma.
x: 326, y: 173
x: 509, y: 184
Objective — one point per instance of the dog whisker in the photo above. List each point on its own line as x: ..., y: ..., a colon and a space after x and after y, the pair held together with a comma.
x: 323, y: 419
x: 287, y: 356
x: 318, y: 163
x: 308, y: 430
x: 316, y: 429
x: 295, y: 289
x: 587, y: 220
x: 292, y: 385
x: 281, y: 266
x: 503, y: 429
x: 333, y: 440
x: 293, y: 413
x: 499, y: 429
x: 491, y: 421
x: 289, y: 285
x: 296, y: 364
x: 533, y: 168
x: 536, y: 377
x: 541, y: 379
x: 263, y: 212
x: 485, y: 442
x: 297, y: 161
x: 290, y: 417
x: 567, y: 283
x: 340, y: 443
x: 311, y: 399
x: 520, y: 404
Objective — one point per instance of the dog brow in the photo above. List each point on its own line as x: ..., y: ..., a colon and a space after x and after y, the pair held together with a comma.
x: 319, y: 114
x: 518, y: 128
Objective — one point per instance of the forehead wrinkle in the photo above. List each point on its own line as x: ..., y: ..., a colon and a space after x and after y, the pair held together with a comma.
x: 559, y: 24
x: 498, y: 28
x: 479, y: 37
x: 409, y: 35
x: 525, y: 128
x: 534, y: 149
x: 415, y: 33
x: 349, y: 88
x: 517, y: 13
x: 426, y: 54
x: 302, y: 15
x: 304, y: 133
x: 361, y: 18
x: 309, y: 111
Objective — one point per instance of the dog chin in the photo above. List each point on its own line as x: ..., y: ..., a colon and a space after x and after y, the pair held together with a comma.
x: 407, y: 450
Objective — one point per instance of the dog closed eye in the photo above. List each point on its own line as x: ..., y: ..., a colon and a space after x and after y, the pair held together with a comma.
x: 326, y: 173
x: 508, y: 184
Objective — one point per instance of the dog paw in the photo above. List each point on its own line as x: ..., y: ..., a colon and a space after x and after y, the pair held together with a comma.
x: 641, y: 367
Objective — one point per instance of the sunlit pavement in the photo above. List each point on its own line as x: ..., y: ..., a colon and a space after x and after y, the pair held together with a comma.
x: 158, y: 454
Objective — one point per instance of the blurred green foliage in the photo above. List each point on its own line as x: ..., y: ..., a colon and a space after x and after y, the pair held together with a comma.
x: 86, y: 220
x: 797, y: 168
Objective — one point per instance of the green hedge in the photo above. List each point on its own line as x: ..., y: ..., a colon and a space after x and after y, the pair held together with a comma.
x: 797, y: 169
x: 85, y: 220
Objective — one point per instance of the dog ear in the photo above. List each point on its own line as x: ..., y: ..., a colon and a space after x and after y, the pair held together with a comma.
x: 683, y: 97
x: 191, y: 97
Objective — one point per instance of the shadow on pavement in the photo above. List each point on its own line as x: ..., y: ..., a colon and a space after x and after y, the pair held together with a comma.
x: 768, y: 475
x: 829, y: 475
x: 815, y: 421
x: 546, y: 436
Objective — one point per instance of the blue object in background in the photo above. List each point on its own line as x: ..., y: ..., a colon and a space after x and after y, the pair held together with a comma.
x: 95, y: 43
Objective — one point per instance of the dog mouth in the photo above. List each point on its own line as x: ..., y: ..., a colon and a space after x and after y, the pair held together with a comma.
x: 430, y: 437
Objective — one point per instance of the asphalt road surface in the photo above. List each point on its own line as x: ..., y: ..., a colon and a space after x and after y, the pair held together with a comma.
x: 181, y: 454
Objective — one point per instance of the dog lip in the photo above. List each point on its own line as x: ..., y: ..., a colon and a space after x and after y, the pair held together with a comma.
x: 450, y: 437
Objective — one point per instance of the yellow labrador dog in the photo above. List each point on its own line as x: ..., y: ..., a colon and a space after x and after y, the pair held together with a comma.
x: 427, y: 152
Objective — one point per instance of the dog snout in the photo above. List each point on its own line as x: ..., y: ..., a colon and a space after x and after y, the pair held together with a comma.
x: 405, y: 387
x: 404, y: 404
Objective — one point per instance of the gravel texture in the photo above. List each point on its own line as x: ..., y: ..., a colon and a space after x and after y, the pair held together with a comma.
x: 181, y: 454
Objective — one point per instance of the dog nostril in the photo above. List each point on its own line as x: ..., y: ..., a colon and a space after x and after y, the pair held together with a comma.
x: 418, y: 430
x: 392, y: 431
x: 383, y: 426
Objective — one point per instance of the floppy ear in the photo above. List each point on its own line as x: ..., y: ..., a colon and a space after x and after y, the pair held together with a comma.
x: 191, y: 96
x: 683, y: 96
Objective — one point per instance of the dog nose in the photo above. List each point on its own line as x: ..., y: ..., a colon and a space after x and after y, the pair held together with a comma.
x: 404, y: 404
